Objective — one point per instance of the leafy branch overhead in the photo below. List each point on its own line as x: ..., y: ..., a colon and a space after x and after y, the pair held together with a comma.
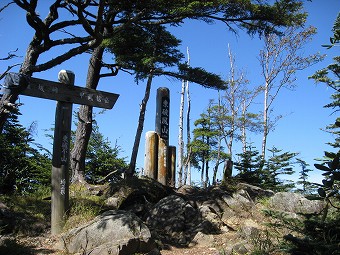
x: 152, y: 49
x: 73, y: 27
x: 335, y: 40
x: 331, y: 171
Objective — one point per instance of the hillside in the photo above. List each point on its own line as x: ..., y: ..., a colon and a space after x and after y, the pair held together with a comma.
x: 141, y: 216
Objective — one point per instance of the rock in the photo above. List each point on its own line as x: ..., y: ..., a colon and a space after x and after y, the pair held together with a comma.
x: 249, y: 229
x: 295, y: 203
x: 187, y: 190
x: 202, y: 240
x: 136, y: 195
x: 210, y: 215
x: 255, y: 192
x: 113, y: 202
x: 240, y: 248
x: 113, y: 232
x: 232, y: 222
x: 173, y: 220
x: 240, y: 202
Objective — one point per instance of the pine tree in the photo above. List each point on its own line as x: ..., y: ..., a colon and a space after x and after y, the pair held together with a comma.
x: 306, y: 186
x: 249, y: 166
x: 102, y: 159
x: 203, y: 146
x: 279, y: 163
x: 22, y: 167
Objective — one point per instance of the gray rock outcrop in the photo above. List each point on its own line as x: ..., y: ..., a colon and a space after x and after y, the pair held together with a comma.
x: 147, y: 213
x: 295, y: 203
x: 113, y: 232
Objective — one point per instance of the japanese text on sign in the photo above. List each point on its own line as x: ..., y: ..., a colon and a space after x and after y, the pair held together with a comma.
x: 165, y: 118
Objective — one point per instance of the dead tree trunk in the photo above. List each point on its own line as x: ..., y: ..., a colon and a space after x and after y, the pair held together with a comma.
x: 140, y: 126
x: 180, y: 138
x: 187, y: 168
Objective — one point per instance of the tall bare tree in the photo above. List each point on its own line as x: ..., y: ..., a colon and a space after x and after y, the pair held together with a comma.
x: 187, y: 164
x: 231, y: 113
x: 280, y: 59
x: 180, y: 154
x: 181, y: 169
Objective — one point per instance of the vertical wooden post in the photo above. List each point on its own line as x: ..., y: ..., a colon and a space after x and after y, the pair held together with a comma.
x: 162, y: 161
x: 162, y: 129
x: 60, y: 159
x: 171, y: 166
x: 151, y: 154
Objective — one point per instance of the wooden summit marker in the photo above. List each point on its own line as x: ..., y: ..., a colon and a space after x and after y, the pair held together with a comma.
x: 162, y: 129
x: 66, y: 94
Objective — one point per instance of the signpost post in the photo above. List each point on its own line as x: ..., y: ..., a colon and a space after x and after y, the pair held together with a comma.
x: 162, y: 129
x: 66, y: 94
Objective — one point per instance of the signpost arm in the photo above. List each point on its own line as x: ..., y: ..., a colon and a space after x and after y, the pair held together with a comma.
x: 60, y: 158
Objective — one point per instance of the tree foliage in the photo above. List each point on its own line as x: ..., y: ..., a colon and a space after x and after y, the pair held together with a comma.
x: 203, y: 147
x: 23, y: 167
x: 249, y: 167
x: 281, y: 58
x: 335, y: 39
x: 102, y: 159
x: 321, y: 234
x: 99, y: 20
x: 277, y: 165
x: 306, y: 186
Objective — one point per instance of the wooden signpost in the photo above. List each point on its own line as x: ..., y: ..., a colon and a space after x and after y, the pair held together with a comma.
x: 162, y: 129
x: 160, y: 158
x: 66, y: 94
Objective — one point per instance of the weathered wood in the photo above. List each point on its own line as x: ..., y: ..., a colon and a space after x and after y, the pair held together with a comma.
x: 163, y: 113
x: 162, y: 161
x: 71, y: 94
x: 171, y: 175
x: 162, y: 129
x: 151, y: 154
x: 60, y: 160
x: 66, y: 94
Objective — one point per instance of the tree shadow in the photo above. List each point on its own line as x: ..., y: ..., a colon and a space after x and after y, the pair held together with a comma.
x: 13, y: 247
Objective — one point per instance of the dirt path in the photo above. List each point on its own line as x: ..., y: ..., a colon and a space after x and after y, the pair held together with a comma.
x: 191, y: 251
x: 44, y: 245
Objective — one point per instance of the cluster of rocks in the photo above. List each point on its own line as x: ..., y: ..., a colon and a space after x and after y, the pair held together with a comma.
x: 146, y: 217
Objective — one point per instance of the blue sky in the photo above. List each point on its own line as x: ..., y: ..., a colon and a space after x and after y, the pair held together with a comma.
x: 299, y: 131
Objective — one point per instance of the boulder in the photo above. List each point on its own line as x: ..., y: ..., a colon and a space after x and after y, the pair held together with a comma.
x: 136, y: 195
x: 295, y: 203
x: 173, y: 220
x: 240, y: 202
x: 255, y: 192
x: 113, y: 232
x: 202, y: 240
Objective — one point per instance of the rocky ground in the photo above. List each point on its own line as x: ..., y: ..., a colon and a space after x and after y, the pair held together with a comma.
x: 143, y: 217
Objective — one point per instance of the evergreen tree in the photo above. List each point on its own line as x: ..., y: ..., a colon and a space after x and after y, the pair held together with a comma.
x: 249, y: 166
x: 22, y: 167
x: 278, y: 164
x: 331, y: 77
x: 321, y: 235
x: 203, y: 145
x: 102, y: 160
x: 306, y: 186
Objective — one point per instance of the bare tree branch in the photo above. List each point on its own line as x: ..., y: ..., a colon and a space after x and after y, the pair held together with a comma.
x: 5, y: 6
x: 62, y: 58
x: 10, y: 55
x: 7, y: 70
